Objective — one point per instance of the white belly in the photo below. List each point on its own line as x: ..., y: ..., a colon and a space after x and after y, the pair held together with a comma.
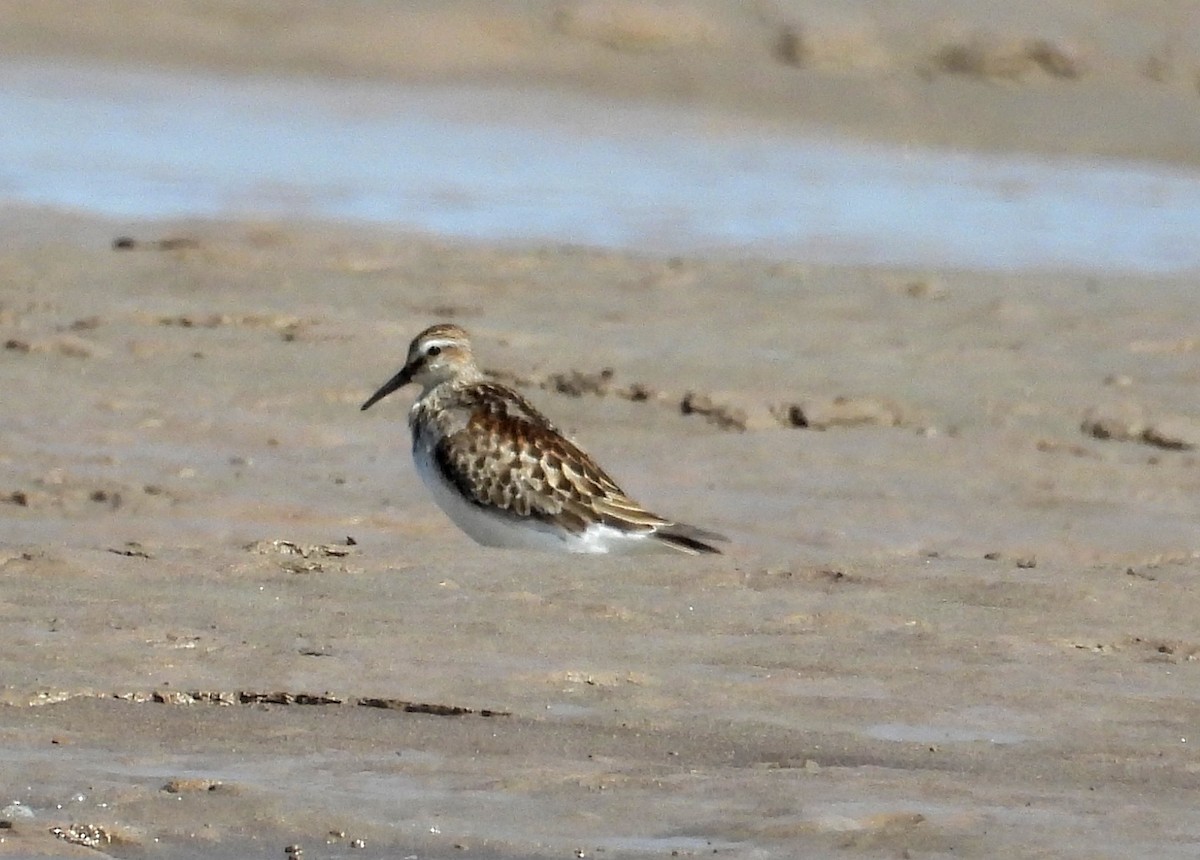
x: 485, y: 527
x: 500, y: 530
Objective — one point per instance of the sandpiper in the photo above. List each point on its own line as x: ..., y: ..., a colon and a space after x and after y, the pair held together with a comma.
x: 505, y: 475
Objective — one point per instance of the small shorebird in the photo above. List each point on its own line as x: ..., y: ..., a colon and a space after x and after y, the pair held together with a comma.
x: 505, y: 475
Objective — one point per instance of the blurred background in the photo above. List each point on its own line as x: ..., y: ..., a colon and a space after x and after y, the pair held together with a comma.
x: 978, y: 134
x: 960, y: 463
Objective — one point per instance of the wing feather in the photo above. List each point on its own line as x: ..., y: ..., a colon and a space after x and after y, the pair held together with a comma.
x: 502, y: 454
x: 509, y: 457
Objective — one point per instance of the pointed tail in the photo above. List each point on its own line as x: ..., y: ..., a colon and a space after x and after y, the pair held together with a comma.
x: 689, y: 539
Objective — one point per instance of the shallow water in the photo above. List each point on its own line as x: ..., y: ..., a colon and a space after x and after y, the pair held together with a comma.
x: 517, y: 166
x: 856, y: 678
x: 904, y: 733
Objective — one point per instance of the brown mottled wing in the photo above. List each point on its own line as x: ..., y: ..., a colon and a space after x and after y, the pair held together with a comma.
x: 510, y: 457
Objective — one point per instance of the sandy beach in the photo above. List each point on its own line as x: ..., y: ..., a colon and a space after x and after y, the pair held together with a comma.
x: 957, y: 617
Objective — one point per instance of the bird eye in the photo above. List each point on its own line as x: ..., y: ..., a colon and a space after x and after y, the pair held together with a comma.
x: 434, y: 350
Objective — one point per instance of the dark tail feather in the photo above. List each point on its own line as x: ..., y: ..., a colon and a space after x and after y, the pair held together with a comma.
x: 689, y: 539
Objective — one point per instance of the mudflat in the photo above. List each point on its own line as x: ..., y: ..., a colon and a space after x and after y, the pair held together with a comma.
x: 1118, y: 78
x: 953, y: 619
x: 958, y: 614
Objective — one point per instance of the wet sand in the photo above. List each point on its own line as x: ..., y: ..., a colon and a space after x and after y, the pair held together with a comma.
x: 1119, y: 78
x: 958, y: 617
x: 953, y: 621
x: 557, y: 168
